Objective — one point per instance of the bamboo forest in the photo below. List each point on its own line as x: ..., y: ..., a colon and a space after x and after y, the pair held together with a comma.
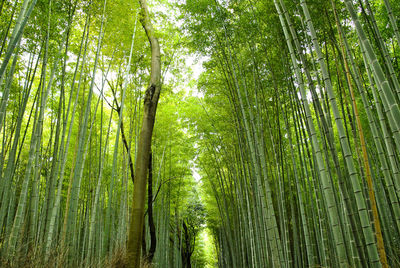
x: 199, y: 133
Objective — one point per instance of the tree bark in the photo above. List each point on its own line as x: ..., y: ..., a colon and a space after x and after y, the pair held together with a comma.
x: 152, y: 227
x: 144, y: 146
x: 187, y: 251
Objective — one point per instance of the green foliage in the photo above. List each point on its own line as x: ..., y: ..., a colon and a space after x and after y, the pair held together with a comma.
x: 241, y: 158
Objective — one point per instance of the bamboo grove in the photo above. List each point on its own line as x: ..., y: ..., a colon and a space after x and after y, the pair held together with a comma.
x: 73, y: 77
x: 293, y: 126
x: 304, y: 167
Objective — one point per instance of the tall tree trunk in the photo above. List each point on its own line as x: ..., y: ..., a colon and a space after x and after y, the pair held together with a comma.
x: 144, y: 146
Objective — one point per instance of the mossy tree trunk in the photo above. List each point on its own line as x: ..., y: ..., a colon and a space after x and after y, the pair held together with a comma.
x: 144, y: 145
